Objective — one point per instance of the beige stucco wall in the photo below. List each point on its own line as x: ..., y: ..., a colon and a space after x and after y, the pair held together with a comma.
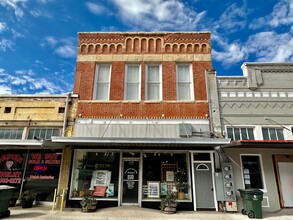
x: 270, y: 180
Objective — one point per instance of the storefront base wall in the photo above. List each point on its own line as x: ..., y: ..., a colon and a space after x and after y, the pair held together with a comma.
x: 268, y: 172
x: 101, y: 204
x: 186, y: 206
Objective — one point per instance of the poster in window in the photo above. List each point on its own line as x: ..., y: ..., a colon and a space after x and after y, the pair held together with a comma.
x: 110, y: 190
x: 164, y: 189
x: 100, y: 178
x: 99, y: 191
x: 153, y: 189
x: 246, y: 171
x: 170, y: 176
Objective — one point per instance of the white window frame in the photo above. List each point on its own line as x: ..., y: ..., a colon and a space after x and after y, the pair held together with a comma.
x: 191, y: 87
x: 96, y: 81
x: 261, y: 167
x: 264, y: 127
x: 139, y: 82
x: 10, y: 132
x: 147, y: 83
x: 239, y: 127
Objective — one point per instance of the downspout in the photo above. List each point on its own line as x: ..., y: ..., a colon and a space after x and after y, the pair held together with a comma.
x: 211, y: 120
x: 65, y: 114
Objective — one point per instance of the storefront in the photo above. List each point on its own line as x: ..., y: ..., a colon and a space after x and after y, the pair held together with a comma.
x: 139, y: 173
x: 31, y: 168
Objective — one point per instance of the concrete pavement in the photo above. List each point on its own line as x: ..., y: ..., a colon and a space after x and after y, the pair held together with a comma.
x: 133, y: 213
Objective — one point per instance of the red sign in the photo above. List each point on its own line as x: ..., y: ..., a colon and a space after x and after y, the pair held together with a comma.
x: 99, y: 191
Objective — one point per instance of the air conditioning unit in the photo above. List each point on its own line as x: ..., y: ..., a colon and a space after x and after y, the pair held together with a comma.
x: 185, y: 129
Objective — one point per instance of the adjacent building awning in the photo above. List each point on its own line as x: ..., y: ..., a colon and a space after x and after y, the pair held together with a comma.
x: 32, y: 144
x: 285, y: 144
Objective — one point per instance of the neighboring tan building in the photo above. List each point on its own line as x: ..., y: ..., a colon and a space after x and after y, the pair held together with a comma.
x: 142, y: 115
x: 256, y: 112
x: 28, y: 158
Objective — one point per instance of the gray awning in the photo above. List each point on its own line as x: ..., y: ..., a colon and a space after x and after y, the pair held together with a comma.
x: 10, y: 144
x: 141, y: 142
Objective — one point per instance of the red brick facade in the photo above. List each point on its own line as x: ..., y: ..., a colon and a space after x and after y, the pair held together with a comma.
x: 122, y: 48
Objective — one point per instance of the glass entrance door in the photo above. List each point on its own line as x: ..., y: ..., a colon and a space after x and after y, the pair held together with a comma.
x: 130, y: 182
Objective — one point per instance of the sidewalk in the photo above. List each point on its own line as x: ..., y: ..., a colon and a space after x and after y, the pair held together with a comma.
x: 133, y: 213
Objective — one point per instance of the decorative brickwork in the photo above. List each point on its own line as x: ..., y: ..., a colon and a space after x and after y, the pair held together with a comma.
x: 120, y: 49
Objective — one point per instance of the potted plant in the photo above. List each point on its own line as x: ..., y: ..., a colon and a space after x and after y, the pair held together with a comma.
x: 168, y: 204
x: 27, y: 198
x: 88, y: 204
x: 181, y: 182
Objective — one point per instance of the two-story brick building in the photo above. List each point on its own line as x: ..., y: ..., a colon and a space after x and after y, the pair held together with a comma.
x: 142, y: 115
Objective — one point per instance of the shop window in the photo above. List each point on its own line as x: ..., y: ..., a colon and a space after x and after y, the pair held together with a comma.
x: 10, y: 133
x: 43, y: 133
x: 41, y: 173
x: 95, y: 173
x: 252, y: 172
x: 162, y: 170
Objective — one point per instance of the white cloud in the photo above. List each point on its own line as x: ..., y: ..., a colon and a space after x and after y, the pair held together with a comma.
x: 271, y: 47
x: 44, y: 1
x: 232, y: 53
x: 158, y: 14
x: 66, y: 51
x: 16, y: 34
x: 51, y: 41
x: 233, y: 18
x: 5, y: 89
x: 5, y: 45
x: 3, y: 26
x: 16, y: 5
x: 263, y: 47
x: 36, y: 13
x: 28, y: 82
x: 95, y: 8
x: 282, y: 14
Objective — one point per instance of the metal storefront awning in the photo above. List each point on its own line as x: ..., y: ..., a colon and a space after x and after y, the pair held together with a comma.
x: 32, y: 144
x: 278, y: 144
x: 142, y: 142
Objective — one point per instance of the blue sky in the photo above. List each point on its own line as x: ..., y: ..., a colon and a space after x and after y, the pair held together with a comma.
x: 38, y: 38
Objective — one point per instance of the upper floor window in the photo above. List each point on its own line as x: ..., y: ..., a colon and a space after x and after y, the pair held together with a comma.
x: 272, y: 133
x: 43, y: 133
x: 153, y: 82
x: 184, y: 82
x: 102, y: 82
x: 11, y: 133
x: 132, y: 82
x: 240, y: 133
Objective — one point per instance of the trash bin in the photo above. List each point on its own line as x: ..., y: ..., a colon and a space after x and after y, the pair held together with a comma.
x: 252, y: 199
x: 6, y: 193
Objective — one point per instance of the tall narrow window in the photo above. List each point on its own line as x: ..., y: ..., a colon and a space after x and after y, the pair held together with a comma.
x: 184, y: 82
x: 252, y: 171
x: 153, y: 82
x: 132, y: 82
x: 272, y: 133
x: 102, y: 82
